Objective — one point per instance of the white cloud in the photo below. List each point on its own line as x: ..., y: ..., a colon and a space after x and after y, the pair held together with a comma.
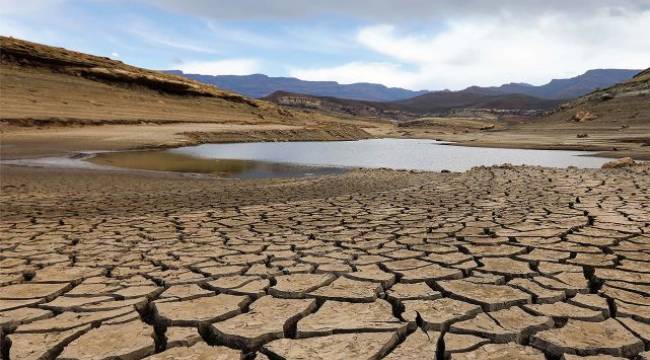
x: 495, y: 50
x: 115, y: 55
x: 154, y: 35
x: 222, y: 67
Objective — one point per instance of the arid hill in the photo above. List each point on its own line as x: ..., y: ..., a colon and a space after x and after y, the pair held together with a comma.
x: 559, y: 89
x: 44, y: 84
x: 443, y: 102
x: 342, y: 107
x: 440, y: 103
x: 49, y: 94
x: 622, y: 105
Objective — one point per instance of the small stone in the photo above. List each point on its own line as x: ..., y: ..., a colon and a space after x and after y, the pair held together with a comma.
x: 619, y: 163
x: 584, y: 116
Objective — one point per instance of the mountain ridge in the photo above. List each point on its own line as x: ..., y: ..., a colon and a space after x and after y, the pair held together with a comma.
x: 441, y: 103
x: 260, y: 85
x: 621, y: 105
x: 568, y: 88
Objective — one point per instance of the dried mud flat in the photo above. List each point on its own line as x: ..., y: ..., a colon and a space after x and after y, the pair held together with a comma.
x: 494, y: 263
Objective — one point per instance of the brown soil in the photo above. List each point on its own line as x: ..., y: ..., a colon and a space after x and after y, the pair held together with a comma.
x: 373, y: 264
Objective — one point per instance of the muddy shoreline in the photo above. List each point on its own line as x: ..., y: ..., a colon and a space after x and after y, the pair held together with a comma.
x: 24, y: 142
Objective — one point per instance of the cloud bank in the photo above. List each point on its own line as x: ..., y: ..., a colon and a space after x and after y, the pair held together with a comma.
x: 495, y: 50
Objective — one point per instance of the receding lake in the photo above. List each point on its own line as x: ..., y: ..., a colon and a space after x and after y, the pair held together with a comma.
x: 282, y: 159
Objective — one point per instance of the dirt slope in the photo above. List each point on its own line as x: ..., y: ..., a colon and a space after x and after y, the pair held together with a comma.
x: 626, y: 104
x: 48, y: 95
x: 43, y: 84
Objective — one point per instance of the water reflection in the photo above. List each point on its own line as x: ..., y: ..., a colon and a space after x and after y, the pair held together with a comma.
x: 161, y: 160
x: 290, y: 159
x: 403, y: 154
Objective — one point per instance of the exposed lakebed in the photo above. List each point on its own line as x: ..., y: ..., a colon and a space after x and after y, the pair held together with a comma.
x: 290, y: 159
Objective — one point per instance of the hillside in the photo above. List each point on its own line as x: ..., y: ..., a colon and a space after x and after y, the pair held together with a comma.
x: 44, y: 84
x: 258, y: 86
x: 564, y: 88
x: 622, y: 105
x: 614, y: 122
x: 341, y: 107
x: 441, y: 103
x: 50, y: 96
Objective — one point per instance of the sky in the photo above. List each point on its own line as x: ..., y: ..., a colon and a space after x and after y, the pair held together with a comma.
x: 414, y: 44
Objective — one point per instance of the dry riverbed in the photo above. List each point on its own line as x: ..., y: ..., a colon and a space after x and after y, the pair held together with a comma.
x: 494, y: 263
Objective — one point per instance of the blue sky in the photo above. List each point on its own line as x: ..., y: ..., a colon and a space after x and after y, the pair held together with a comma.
x: 414, y: 44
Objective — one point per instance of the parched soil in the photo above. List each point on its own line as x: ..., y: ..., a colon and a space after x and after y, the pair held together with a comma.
x: 494, y: 263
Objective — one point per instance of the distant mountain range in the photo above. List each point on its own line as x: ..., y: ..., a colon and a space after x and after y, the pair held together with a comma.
x: 564, y: 88
x: 259, y: 86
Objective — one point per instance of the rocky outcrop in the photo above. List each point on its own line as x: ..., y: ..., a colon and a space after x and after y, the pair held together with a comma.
x: 619, y: 163
x: 28, y: 54
x: 582, y: 116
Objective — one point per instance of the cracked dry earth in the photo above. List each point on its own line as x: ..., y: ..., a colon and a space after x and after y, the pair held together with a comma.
x: 495, y: 263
